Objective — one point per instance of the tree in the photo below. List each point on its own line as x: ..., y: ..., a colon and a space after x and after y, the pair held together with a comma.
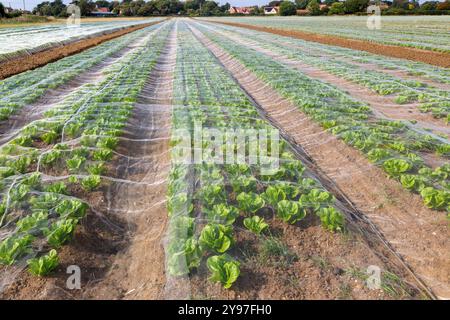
x: 2, y: 10
x: 313, y: 8
x: 209, y: 8
x: 56, y: 8
x: 288, y: 8
x: 301, y: 4
x: 86, y: 6
x: 444, y: 5
x: 102, y: 4
x: 337, y: 8
x: 330, y: 2
x: 225, y: 7
x: 353, y: 6
x: 429, y: 5
x: 275, y: 3
x: 400, y: 4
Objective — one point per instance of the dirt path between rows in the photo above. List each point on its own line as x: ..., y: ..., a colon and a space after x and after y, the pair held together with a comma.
x: 25, y: 63
x: 431, y: 57
x: 418, y: 234
x: 382, y: 106
x: 139, y: 271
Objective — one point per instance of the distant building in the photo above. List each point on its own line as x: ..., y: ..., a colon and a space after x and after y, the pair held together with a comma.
x: 103, y: 12
x: 8, y: 10
x: 271, y: 10
x: 240, y: 10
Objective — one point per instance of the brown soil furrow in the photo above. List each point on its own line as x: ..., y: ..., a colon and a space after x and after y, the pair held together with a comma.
x: 383, y: 106
x: 21, y: 64
x: 138, y: 272
x: 418, y: 234
x: 431, y: 57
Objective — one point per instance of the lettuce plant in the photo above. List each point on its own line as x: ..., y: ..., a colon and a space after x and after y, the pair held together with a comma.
x: 180, y: 204
x: 216, y: 237
x: 102, y: 154
x: 223, y: 269
x: 182, y: 227
x: 49, y: 137
x: 96, y: 168
x: 243, y: 184
x: 212, y: 194
x: 222, y: 213
x: 435, y: 199
x: 51, y: 156
x: 91, y: 182
x: 316, y: 198
x: 42, y: 266
x: 290, y: 211
x: 331, y: 219
x: 183, y: 256
x: 36, y: 220
x: 412, y: 182
x: 60, y: 232
x: 249, y: 202
x: 14, y: 247
x: 395, y: 167
x: 57, y: 187
x: 74, y: 163
x: 275, y: 194
x: 255, y: 224
x: 71, y: 208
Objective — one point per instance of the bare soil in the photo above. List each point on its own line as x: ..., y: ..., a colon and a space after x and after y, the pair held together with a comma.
x: 431, y: 57
x: 39, y: 59
x: 419, y: 235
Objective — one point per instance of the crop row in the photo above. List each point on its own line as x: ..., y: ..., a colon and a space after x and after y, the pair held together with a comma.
x: 25, y: 88
x: 28, y: 40
x: 210, y: 200
x: 428, y: 33
x: 393, y: 145
x: 54, y: 162
x: 430, y: 99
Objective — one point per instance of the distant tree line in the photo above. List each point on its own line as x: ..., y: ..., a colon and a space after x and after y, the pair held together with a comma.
x: 131, y: 8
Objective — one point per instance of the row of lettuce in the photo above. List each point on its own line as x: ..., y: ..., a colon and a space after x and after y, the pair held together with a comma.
x: 393, y: 145
x: 426, y: 32
x: 209, y: 202
x: 54, y: 162
x: 25, y: 88
x: 341, y: 62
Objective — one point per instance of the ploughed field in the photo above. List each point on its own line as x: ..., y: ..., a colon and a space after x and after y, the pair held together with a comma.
x: 201, y: 160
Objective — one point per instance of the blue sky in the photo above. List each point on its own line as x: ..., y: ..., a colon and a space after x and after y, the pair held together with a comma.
x: 30, y: 4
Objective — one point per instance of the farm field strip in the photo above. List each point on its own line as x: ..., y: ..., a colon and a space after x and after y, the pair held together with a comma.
x: 61, y: 158
x: 25, y: 88
x: 401, y: 31
x: 213, y: 207
x: 390, y: 144
x: 398, y: 91
x: 196, y: 160
x: 137, y: 195
x: 29, y: 40
x: 382, y: 63
x: 383, y: 201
